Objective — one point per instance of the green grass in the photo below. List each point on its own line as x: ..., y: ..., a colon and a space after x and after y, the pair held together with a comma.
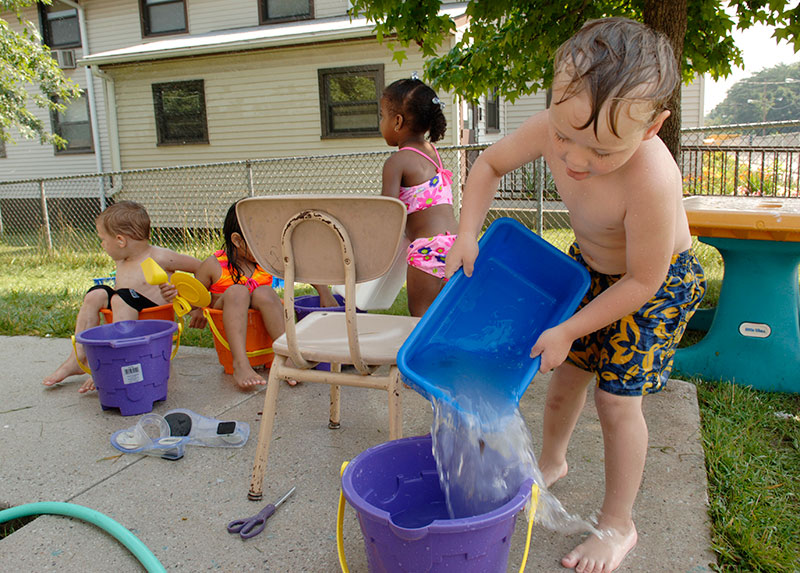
x: 752, y: 447
x: 752, y: 450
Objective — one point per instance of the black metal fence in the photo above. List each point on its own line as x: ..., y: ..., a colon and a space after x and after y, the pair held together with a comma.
x: 753, y: 160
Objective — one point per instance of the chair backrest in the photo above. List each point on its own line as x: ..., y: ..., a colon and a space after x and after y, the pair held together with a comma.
x: 323, y: 239
x: 375, y: 225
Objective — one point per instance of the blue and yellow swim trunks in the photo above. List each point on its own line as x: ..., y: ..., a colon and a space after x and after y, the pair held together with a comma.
x: 633, y: 356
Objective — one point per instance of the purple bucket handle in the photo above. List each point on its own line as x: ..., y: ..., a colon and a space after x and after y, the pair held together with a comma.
x: 407, y: 534
x: 123, y: 342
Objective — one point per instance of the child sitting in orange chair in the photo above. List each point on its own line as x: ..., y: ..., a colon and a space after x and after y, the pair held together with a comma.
x: 124, y: 231
x: 237, y: 283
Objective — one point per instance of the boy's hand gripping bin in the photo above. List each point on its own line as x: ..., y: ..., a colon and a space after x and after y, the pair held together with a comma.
x: 474, y: 342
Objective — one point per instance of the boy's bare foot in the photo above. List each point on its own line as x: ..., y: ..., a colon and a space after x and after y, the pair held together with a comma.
x: 552, y: 474
x: 68, y: 368
x: 246, y: 378
x: 87, y: 386
x: 601, y: 555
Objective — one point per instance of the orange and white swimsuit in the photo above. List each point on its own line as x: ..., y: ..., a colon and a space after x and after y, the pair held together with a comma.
x: 260, y: 276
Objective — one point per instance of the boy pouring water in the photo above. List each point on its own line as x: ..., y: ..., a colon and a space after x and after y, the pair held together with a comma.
x: 623, y: 192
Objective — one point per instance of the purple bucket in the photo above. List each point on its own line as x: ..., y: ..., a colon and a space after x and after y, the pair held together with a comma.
x: 305, y: 305
x: 129, y: 361
x: 394, y: 488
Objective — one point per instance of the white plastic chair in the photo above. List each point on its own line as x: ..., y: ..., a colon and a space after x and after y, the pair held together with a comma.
x: 326, y: 239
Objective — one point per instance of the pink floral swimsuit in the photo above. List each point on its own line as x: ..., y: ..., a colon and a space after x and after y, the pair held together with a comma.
x: 437, y: 191
x: 428, y: 253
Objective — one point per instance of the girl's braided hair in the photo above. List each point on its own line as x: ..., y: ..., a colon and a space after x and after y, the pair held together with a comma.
x: 419, y: 105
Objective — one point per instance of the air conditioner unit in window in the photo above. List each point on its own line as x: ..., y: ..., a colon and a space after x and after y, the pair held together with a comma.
x: 65, y: 58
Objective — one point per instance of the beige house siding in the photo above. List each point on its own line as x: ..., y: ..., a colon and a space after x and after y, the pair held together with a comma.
x: 111, y: 24
x: 328, y: 8
x: 116, y: 23
x: 692, y: 103
x: 524, y: 107
x: 258, y: 104
x: 209, y: 15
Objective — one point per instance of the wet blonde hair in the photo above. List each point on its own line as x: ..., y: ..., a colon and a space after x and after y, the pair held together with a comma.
x: 617, y: 60
x: 126, y: 218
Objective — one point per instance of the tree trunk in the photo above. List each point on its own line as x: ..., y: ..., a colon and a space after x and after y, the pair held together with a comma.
x: 669, y: 18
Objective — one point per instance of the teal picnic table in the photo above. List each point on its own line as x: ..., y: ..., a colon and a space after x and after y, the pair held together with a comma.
x: 753, y: 334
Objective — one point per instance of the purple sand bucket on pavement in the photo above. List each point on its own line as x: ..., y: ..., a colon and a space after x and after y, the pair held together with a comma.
x: 394, y: 488
x: 129, y: 361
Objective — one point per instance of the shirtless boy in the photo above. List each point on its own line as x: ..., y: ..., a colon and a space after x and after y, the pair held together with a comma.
x: 623, y: 192
x: 124, y: 231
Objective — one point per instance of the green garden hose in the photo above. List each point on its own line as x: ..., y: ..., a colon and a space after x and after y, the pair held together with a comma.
x: 124, y: 536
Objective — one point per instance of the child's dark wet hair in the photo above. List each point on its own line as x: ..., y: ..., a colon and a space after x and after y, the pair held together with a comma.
x: 419, y: 105
x: 617, y: 60
x: 229, y: 227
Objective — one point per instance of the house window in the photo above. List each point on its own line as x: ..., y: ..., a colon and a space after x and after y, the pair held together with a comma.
x: 349, y: 101
x: 60, y: 25
x: 73, y: 125
x: 492, y: 112
x: 271, y: 11
x: 161, y: 17
x: 180, y: 109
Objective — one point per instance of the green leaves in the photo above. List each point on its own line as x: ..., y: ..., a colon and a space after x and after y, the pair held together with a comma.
x: 26, y: 63
x: 509, y: 44
x: 773, y: 94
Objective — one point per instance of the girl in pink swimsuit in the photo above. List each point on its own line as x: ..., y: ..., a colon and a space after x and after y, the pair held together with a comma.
x: 415, y: 175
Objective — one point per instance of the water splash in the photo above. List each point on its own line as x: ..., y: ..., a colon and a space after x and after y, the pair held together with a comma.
x: 484, y: 452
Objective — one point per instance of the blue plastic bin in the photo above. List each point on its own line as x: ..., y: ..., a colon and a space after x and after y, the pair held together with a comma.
x: 474, y: 341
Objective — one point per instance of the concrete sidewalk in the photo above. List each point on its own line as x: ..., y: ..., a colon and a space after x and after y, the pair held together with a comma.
x: 54, y: 446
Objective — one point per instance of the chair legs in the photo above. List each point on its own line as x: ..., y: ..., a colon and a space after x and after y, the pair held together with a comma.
x: 336, y: 393
x: 270, y: 406
x: 265, y: 430
x: 395, y: 405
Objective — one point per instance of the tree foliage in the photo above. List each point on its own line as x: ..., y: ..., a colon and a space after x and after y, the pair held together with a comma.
x: 24, y: 63
x: 772, y: 94
x: 509, y: 44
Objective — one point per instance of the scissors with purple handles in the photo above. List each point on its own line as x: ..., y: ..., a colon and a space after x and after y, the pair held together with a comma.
x: 252, y: 526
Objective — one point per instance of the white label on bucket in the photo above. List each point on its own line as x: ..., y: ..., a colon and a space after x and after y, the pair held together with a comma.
x: 755, y: 329
x: 132, y: 373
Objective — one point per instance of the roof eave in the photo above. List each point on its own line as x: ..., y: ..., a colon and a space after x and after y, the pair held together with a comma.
x: 236, y: 46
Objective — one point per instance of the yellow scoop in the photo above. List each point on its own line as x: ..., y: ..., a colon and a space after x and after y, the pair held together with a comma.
x: 153, y: 273
x: 191, y: 291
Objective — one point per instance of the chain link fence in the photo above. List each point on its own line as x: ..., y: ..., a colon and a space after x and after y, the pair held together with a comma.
x: 187, y: 204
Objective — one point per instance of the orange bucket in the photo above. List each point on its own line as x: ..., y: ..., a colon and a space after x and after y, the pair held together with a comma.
x: 162, y: 312
x: 258, y: 343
